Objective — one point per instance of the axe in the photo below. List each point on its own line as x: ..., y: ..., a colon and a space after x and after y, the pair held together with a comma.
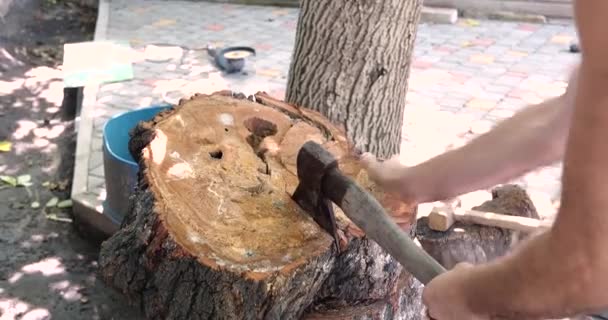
x: 321, y: 182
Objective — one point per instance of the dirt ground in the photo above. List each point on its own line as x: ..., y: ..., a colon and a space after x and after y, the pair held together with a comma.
x: 47, y: 269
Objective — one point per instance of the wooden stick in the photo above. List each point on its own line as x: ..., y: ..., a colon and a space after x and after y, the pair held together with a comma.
x: 502, y: 220
x: 442, y: 218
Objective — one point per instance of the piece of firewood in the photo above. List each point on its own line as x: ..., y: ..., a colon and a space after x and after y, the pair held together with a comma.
x: 214, y: 234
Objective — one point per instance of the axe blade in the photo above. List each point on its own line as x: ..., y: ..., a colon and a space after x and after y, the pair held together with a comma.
x: 313, y: 163
x: 322, y: 182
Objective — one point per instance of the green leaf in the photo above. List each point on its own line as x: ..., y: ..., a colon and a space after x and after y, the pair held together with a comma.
x: 54, y: 217
x: 24, y: 180
x: 65, y: 204
x: 5, y: 146
x: 9, y: 180
x: 53, y: 202
x: 35, y: 205
x: 471, y: 22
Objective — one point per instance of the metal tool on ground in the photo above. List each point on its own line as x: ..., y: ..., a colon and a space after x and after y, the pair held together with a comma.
x: 231, y: 59
x: 321, y: 182
x: 441, y: 218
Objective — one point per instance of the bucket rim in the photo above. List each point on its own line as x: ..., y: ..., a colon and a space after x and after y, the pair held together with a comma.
x: 160, y: 107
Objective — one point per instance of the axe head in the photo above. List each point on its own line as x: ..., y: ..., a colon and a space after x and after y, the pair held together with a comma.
x: 313, y: 162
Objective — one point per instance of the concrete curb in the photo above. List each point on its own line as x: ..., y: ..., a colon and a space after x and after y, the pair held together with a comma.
x: 86, y: 214
x: 103, y: 17
x: 274, y: 3
x: 519, y: 17
x: 438, y: 15
x: 483, y: 8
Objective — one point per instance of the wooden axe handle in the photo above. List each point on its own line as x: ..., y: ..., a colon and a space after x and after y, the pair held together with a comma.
x: 442, y: 218
x: 505, y: 221
x: 369, y: 215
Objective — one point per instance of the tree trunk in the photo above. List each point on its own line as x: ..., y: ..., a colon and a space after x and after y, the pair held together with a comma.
x: 352, y: 62
x: 214, y: 234
x: 474, y: 243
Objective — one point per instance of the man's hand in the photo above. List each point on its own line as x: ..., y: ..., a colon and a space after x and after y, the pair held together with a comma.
x: 446, y: 298
x: 390, y: 175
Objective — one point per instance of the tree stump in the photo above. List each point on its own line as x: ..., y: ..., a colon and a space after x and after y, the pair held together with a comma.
x: 214, y: 234
x: 474, y: 243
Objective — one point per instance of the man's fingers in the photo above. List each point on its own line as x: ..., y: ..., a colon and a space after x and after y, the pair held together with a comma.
x: 368, y: 159
x: 370, y: 163
x: 378, y: 169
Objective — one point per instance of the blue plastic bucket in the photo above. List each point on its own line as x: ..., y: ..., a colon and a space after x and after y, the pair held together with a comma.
x: 120, y: 169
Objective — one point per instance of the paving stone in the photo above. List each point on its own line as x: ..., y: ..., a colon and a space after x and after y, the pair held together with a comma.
x: 95, y: 183
x: 468, y: 69
x: 99, y: 122
x: 528, y: 27
x: 453, y: 102
x: 96, y: 143
x: 481, y: 127
x: 562, y: 39
x: 489, y: 96
x: 508, y: 80
x: 498, y: 114
x: 513, y: 104
x: 96, y: 157
x: 493, y: 71
x: 544, y: 185
x: 495, y: 88
x: 516, y: 53
x: 473, y: 199
x: 542, y: 201
x: 469, y: 115
x: 482, y: 104
x: 508, y: 59
x: 97, y: 171
x: 97, y: 132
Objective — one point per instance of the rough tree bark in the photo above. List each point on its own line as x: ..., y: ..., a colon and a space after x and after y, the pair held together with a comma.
x: 474, y: 243
x: 352, y: 62
x: 214, y: 234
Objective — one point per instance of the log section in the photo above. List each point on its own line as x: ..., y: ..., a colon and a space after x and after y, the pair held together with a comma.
x: 213, y: 232
x: 473, y: 243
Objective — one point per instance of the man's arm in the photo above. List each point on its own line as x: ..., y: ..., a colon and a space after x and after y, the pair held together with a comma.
x: 532, y: 138
x: 563, y: 271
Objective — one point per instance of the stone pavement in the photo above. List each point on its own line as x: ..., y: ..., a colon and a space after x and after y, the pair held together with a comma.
x: 465, y: 77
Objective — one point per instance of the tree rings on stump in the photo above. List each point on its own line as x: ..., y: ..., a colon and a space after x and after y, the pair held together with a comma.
x: 214, y: 234
x: 473, y: 243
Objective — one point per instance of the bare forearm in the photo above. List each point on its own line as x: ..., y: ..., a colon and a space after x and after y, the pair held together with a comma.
x: 562, y: 272
x: 532, y: 138
x: 538, y: 281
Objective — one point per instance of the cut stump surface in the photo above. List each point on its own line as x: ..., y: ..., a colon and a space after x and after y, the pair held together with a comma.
x: 213, y: 231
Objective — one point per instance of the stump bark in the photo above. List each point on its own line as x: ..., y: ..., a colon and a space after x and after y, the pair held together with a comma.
x: 474, y: 243
x: 214, y: 234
